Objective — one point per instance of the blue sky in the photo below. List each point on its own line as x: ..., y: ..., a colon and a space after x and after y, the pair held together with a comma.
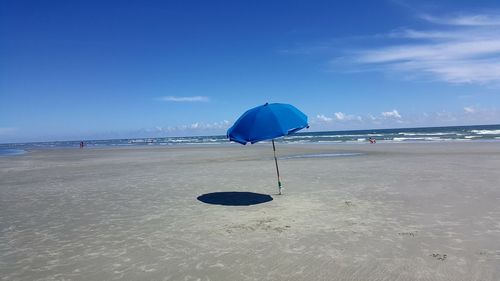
x: 115, y: 69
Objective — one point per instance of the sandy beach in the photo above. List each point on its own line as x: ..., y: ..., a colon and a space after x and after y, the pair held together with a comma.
x: 366, y: 212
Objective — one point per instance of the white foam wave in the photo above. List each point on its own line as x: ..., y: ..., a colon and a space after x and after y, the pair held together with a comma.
x: 486, y: 132
x: 299, y: 137
x: 362, y: 135
x: 419, y: 139
x: 182, y: 140
x: 334, y: 136
x: 329, y: 141
x: 427, y: 134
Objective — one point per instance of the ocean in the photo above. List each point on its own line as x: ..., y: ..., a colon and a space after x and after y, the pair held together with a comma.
x: 428, y: 134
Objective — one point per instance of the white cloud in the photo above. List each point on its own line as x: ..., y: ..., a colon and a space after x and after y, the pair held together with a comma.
x: 185, y: 99
x: 466, y: 50
x: 339, y: 115
x: 217, y: 125
x: 199, y: 127
x: 464, y: 20
x: 322, y: 117
x: 469, y: 109
x: 391, y: 114
x: 420, y: 34
x: 433, y: 51
x: 192, y: 129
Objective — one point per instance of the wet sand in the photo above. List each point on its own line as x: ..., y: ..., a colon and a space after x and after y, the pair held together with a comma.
x: 374, y: 212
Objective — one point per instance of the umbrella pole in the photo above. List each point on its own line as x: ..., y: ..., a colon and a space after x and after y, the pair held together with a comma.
x: 277, y: 169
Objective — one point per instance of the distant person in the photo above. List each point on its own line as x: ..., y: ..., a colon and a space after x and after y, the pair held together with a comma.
x: 372, y: 140
x: 82, y: 144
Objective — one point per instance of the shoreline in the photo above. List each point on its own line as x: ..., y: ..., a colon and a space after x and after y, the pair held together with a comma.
x: 263, y: 143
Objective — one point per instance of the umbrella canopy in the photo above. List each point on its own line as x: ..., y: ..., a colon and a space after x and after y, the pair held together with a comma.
x: 266, y: 122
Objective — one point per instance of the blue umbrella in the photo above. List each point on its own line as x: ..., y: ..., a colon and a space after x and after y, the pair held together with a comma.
x: 268, y: 121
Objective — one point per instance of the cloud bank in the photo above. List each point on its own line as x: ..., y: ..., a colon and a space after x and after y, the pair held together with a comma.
x: 391, y: 114
x: 468, y: 115
x: 192, y: 129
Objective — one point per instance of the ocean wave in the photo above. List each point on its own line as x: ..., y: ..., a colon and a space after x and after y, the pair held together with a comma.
x: 143, y: 141
x: 182, y: 140
x: 313, y: 137
x: 486, y: 132
x: 333, y: 136
x: 297, y: 141
x: 300, y: 137
x: 427, y: 134
x: 454, y: 139
x: 419, y: 139
x: 11, y: 151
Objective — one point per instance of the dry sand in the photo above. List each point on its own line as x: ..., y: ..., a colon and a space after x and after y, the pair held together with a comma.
x: 394, y: 212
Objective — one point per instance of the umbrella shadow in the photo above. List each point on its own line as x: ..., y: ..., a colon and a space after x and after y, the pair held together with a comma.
x: 234, y: 198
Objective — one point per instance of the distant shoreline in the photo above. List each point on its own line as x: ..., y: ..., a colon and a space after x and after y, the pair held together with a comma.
x: 341, y: 145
